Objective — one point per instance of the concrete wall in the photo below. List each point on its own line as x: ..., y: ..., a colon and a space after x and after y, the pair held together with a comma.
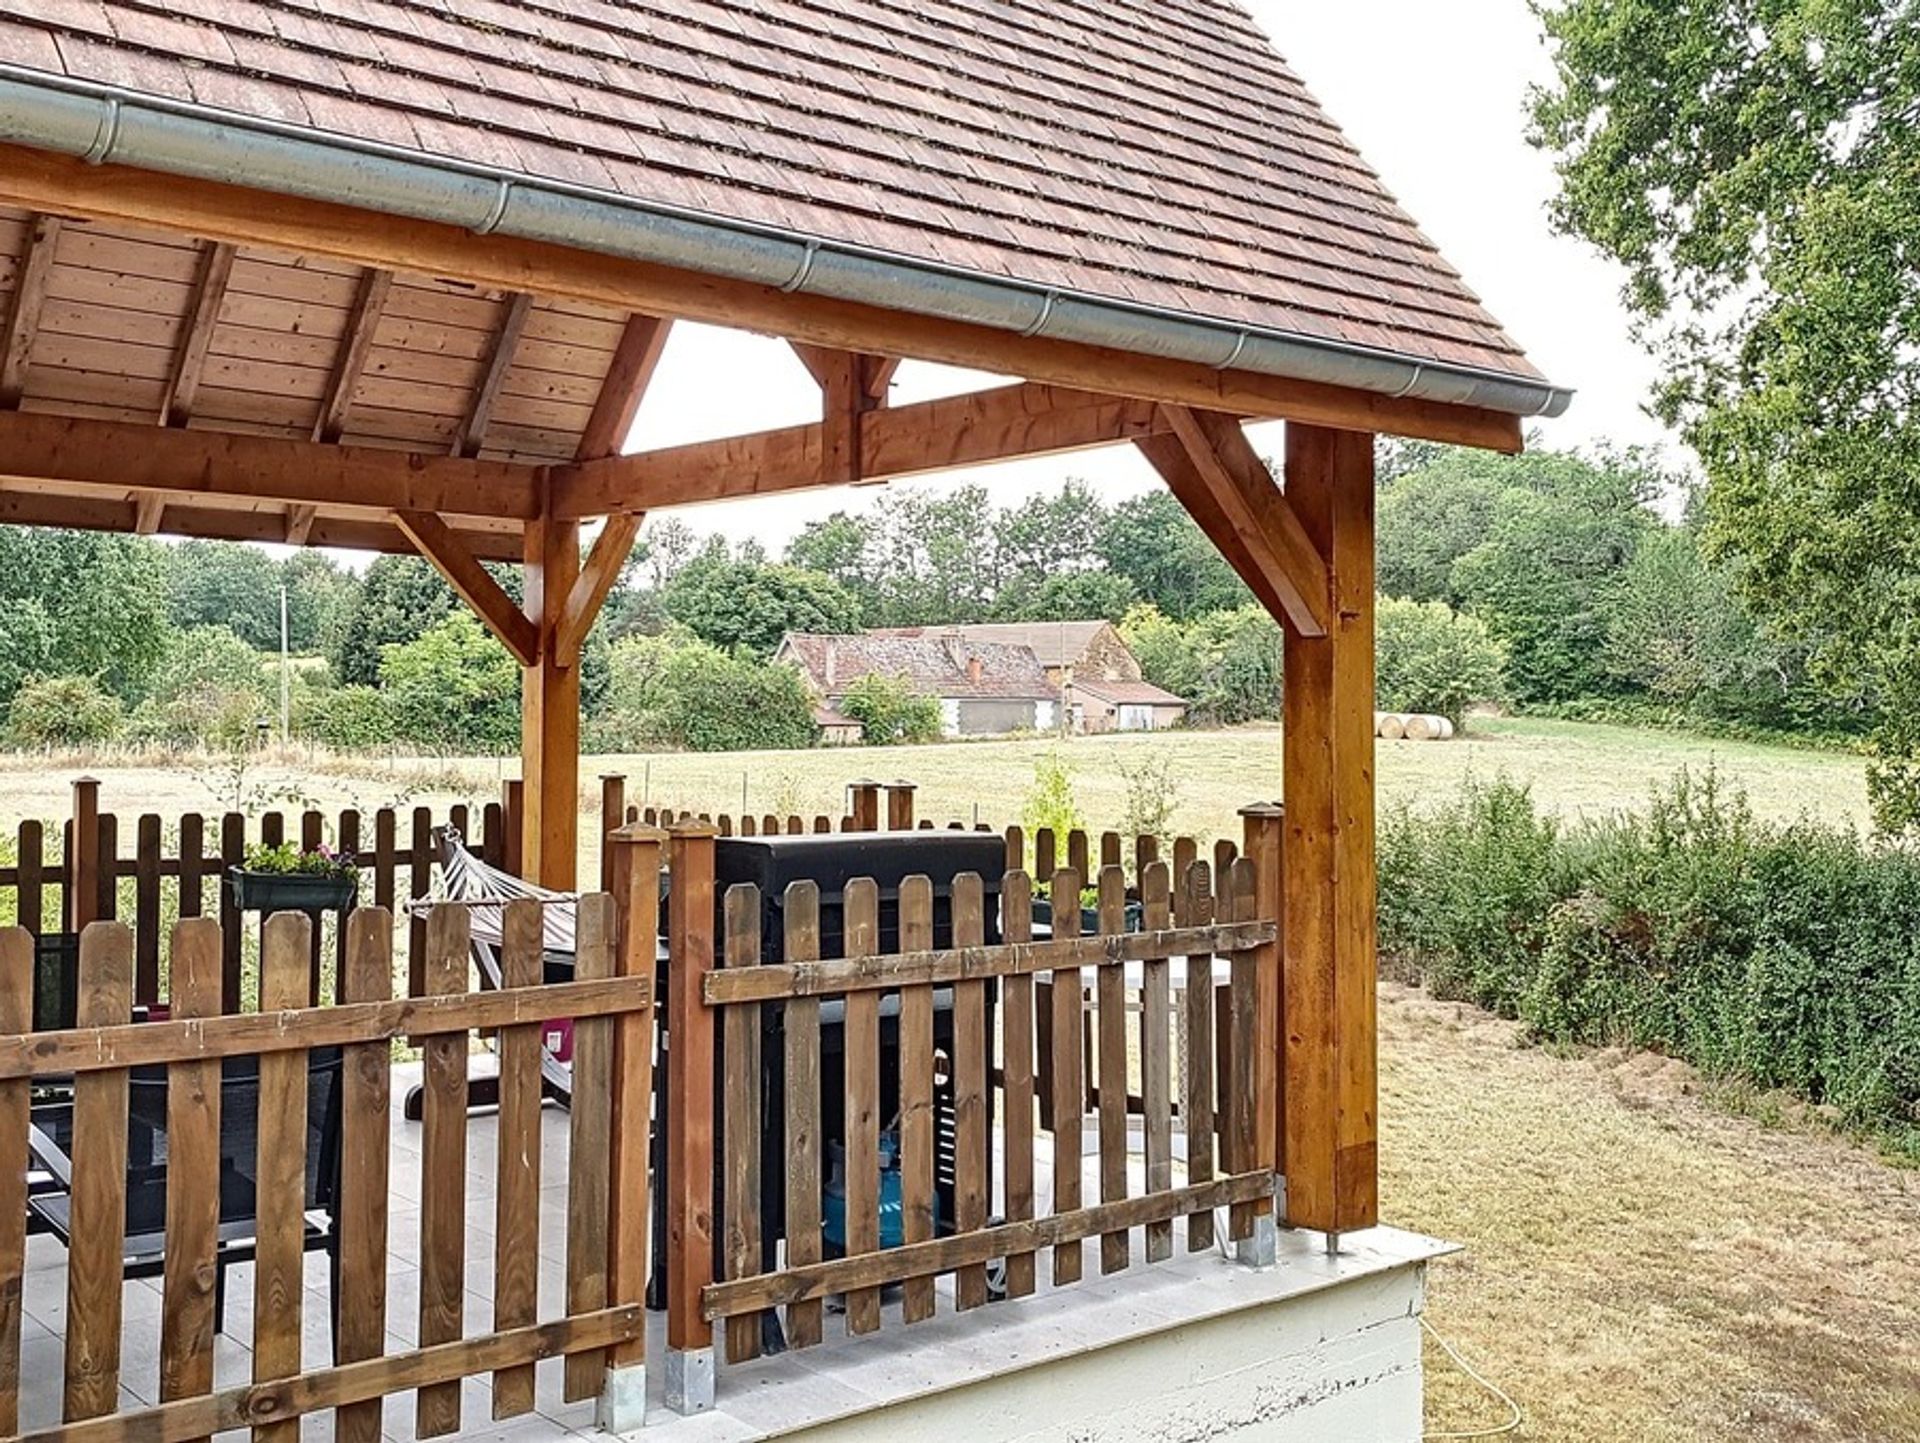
x: 987, y: 718
x: 1338, y: 1365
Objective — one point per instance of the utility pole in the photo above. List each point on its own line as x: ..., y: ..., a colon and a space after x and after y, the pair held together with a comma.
x: 286, y: 675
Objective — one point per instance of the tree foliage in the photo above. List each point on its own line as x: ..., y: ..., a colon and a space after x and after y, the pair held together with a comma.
x: 63, y: 711
x: 454, y: 687
x: 1430, y: 658
x: 100, y: 604
x: 1754, y: 165
x: 742, y: 602
x: 891, y: 712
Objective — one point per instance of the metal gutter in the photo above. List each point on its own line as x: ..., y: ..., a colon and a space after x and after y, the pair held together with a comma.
x: 106, y: 125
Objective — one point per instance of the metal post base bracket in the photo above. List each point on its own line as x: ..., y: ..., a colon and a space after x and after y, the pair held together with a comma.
x: 690, y: 1379
x: 623, y: 1400
x: 1260, y: 1249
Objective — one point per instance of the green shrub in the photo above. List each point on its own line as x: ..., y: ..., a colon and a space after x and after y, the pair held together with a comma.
x: 349, y: 718
x: 890, y: 711
x: 1049, y: 803
x: 1783, y: 956
x: 454, y: 687
x: 677, y: 691
x: 63, y: 711
x: 210, y: 689
x: 1429, y: 658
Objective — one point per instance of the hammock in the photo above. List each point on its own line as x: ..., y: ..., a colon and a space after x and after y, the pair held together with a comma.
x: 483, y: 891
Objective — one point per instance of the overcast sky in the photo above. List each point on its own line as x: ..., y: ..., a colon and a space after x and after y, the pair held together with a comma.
x: 1434, y: 96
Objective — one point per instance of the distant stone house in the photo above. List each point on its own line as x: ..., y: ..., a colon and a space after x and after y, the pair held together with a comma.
x: 1090, y: 663
x: 984, y: 688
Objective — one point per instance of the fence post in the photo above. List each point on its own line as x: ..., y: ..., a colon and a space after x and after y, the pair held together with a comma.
x: 623, y: 1393
x: 865, y: 808
x: 83, y: 858
x: 613, y: 816
x: 512, y: 802
x: 690, y: 1123
x: 1263, y: 833
x: 899, y: 806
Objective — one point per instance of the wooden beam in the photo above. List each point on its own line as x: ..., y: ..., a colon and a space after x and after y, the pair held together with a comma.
x: 472, y: 583
x: 1168, y: 457
x: 23, y: 505
x: 40, y: 180
x: 300, y: 521
x: 127, y: 456
x: 473, y: 433
x: 987, y: 426
x: 590, y: 589
x: 29, y: 294
x: 876, y: 376
x: 618, y: 405
x: 362, y: 323
x: 209, y: 291
x: 148, y: 512
x: 1329, y: 1062
x: 1245, y: 493
x: 550, y: 710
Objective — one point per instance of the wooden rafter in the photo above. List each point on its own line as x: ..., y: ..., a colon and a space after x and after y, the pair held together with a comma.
x: 209, y: 291
x: 23, y: 317
x: 625, y: 387
x: 40, y: 180
x: 352, y: 359
x: 598, y: 573
x: 473, y: 433
x: 185, y: 464
x: 972, y: 430
x: 120, y: 512
x: 149, y: 511
x: 449, y: 556
x: 1244, y: 492
x: 300, y: 521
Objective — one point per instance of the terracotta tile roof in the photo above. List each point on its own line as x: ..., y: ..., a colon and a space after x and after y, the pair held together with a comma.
x: 1159, y: 153
x: 944, y: 666
x: 1055, y: 643
x: 1129, y: 693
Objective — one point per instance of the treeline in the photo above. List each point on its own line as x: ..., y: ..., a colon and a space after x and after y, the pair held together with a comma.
x: 1548, y: 581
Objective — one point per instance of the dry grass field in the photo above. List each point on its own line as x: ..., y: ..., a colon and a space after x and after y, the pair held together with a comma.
x: 1646, y: 1259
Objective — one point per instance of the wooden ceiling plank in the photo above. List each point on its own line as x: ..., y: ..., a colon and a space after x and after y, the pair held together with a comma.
x: 40, y: 180
x: 106, y: 511
x: 1244, y: 493
x: 473, y: 433
x: 625, y: 387
x: 128, y: 455
x: 369, y: 301
x: 450, y: 556
x: 23, y: 317
x: 970, y: 430
x: 598, y: 573
x: 209, y: 292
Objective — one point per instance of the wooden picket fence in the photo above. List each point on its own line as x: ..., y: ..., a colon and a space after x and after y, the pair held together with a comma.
x: 172, y: 861
x: 1026, y: 1048
x: 601, y: 1324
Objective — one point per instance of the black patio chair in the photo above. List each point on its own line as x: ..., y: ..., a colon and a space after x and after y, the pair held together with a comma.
x: 51, y: 1141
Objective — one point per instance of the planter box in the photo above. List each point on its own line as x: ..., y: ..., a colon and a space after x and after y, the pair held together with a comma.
x: 1089, y: 916
x: 290, y: 891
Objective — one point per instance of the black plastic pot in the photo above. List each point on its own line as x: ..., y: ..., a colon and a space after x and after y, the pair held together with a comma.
x: 290, y: 891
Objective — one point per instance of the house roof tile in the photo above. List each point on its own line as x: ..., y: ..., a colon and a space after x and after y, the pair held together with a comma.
x: 945, y: 666
x: 1159, y: 154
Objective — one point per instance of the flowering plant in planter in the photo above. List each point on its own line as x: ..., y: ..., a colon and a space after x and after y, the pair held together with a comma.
x: 286, y: 878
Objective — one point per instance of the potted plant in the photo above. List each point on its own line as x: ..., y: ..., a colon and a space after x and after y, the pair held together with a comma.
x: 287, y: 879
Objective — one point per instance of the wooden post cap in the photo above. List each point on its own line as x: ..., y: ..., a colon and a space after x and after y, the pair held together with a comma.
x: 637, y: 832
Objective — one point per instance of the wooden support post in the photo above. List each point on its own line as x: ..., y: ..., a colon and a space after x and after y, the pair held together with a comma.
x: 1263, y: 826
x: 1329, y: 1067
x: 550, y: 712
x: 690, y: 1124
x: 899, y: 806
x: 83, y: 856
x: 623, y: 1392
x: 613, y: 816
x: 864, y: 809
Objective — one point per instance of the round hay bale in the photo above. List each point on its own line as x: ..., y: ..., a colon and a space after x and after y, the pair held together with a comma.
x: 1392, y: 727
x: 1425, y: 727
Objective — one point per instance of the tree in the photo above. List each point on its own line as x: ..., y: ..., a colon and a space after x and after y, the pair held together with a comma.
x: 1163, y: 554
x: 320, y: 596
x: 1429, y: 658
x: 890, y: 711
x: 454, y: 687
x: 63, y: 711
x: 210, y: 688
x: 399, y: 599
x: 225, y: 584
x: 1429, y: 517
x: 839, y: 546
x: 746, y: 603
x: 710, y: 701
x: 102, y: 602
x: 1073, y: 596
x: 1752, y: 164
